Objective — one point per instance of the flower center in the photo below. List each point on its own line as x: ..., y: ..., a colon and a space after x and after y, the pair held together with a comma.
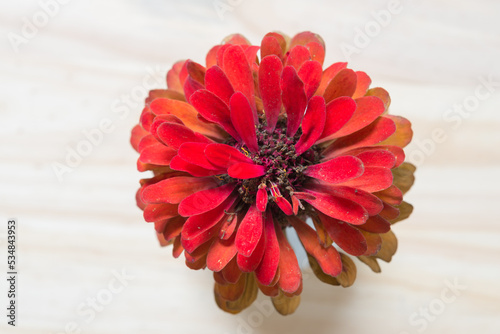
x: 284, y: 169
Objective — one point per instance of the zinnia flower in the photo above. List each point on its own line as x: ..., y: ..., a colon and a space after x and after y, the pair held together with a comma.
x: 246, y: 148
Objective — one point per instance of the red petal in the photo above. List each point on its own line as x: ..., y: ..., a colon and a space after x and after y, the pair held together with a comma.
x: 211, y: 58
x: 368, y: 108
x: 266, y: 271
x: 343, y: 84
x: 159, y: 120
x: 294, y: 99
x: 157, y: 154
x: 317, y: 52
x: 290, y: 275
x: 269, y: 86
x: 381, y: 94
x: 224, y: 155
x: 146, y: 119
x: 373, y: 179
x: 339, y: 208
x: 188, y: 115
x: 296, y: 205
x: 312, y: 125
x: 251, y: 54
x: 174, y: 135
x: 377, y: 158
x: 177, y: 249
x: 195, y: 153
x: 284, y: 205
x: 328, y: 258
x: 262, y: 198
x: 362, y: 85
x: 240, y: 74
x: 173, y: 228
x: 403, y: 134
x: 306, y: 37
x: 372, y: 134
x: 205, y: 200
x: 249, y: 232
x: 237, y: 39
x: 207, y: 232
x: 156, y: 212
x: 229, y: 225
x: 249, y: 264
x: 218, y: 83
x: 242, y: 170
x: 220, y: 253
x: 371, y: 203
x: 297, y: 56
x: 180, y: 164
x: 396, y: 151
x: 270, y: 46
x: 147, y: 141
x: 201, y: 228
x: 243, y: 120
x: 338, y: 113
x: 303, y: 195
x: 310, y: 73
x: 214, y: 110
x: 191, y: 86
x: 339, y: 169
x: 196, y: 225
x: 328, y: 75
x: 175, y: 189
x: 196, y: 71
x: 376, y: 224
x: 345, y: 236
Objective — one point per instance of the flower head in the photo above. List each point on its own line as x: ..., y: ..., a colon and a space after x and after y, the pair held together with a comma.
x: 245, y: 148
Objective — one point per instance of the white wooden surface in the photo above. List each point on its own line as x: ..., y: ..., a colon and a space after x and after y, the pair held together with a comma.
x: 74, y: 233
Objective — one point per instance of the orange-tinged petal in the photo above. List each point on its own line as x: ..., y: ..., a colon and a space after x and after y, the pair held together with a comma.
x: 220, y: 253
x: 155, y: 212
x: 188, y: 115
x: 290, y: 275
x: 327, y: 257
x: 343, y: 84
x: 174, y: 190
x: 246, y: 299
x: 362, y: 84
x: 173, y: 81
x: 328, y: 75
x: 381, y: 94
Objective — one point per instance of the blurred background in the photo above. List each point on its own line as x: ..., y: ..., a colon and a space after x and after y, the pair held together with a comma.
x: 73, y: 78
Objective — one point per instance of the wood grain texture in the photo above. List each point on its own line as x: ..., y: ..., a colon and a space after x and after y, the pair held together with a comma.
x: 90, y: 63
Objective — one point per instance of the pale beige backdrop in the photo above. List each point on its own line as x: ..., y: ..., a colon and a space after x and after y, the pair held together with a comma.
x: 74, y: 67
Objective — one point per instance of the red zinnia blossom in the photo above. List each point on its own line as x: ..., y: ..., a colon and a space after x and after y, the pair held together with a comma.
x: 245, y: 147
